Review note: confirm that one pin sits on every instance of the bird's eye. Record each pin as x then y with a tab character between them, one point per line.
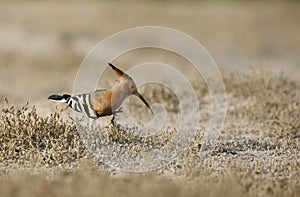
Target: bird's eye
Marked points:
132	86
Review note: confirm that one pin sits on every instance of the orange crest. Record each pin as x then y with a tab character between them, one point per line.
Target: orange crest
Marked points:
117	71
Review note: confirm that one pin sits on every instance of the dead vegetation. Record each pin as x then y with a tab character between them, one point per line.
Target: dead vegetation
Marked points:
257	153
28	139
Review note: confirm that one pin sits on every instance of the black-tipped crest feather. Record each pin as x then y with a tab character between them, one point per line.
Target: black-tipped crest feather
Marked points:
117	71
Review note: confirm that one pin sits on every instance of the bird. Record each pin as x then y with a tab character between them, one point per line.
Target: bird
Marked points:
103	102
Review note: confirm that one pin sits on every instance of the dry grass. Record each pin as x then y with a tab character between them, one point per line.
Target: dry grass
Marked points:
257	153
29	140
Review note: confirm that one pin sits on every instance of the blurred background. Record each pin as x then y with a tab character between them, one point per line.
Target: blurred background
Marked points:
42	43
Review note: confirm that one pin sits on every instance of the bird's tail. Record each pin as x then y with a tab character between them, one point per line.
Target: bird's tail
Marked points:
64	98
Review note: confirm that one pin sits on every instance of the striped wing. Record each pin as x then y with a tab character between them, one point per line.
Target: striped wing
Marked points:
84	103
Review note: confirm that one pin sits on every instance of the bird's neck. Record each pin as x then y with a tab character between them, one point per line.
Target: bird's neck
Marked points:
117	97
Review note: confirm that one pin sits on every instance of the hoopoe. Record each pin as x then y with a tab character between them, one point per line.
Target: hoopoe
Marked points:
103	102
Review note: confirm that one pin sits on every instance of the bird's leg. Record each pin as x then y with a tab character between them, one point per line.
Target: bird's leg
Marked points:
113	121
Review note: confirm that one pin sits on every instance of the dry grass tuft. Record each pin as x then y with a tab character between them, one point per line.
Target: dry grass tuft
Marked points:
28	139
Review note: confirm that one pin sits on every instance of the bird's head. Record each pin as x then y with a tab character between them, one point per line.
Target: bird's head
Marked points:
126	86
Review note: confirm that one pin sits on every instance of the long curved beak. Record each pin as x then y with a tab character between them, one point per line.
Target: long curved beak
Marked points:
144	100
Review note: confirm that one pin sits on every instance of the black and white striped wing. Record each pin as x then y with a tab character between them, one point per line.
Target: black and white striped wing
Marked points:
83	103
